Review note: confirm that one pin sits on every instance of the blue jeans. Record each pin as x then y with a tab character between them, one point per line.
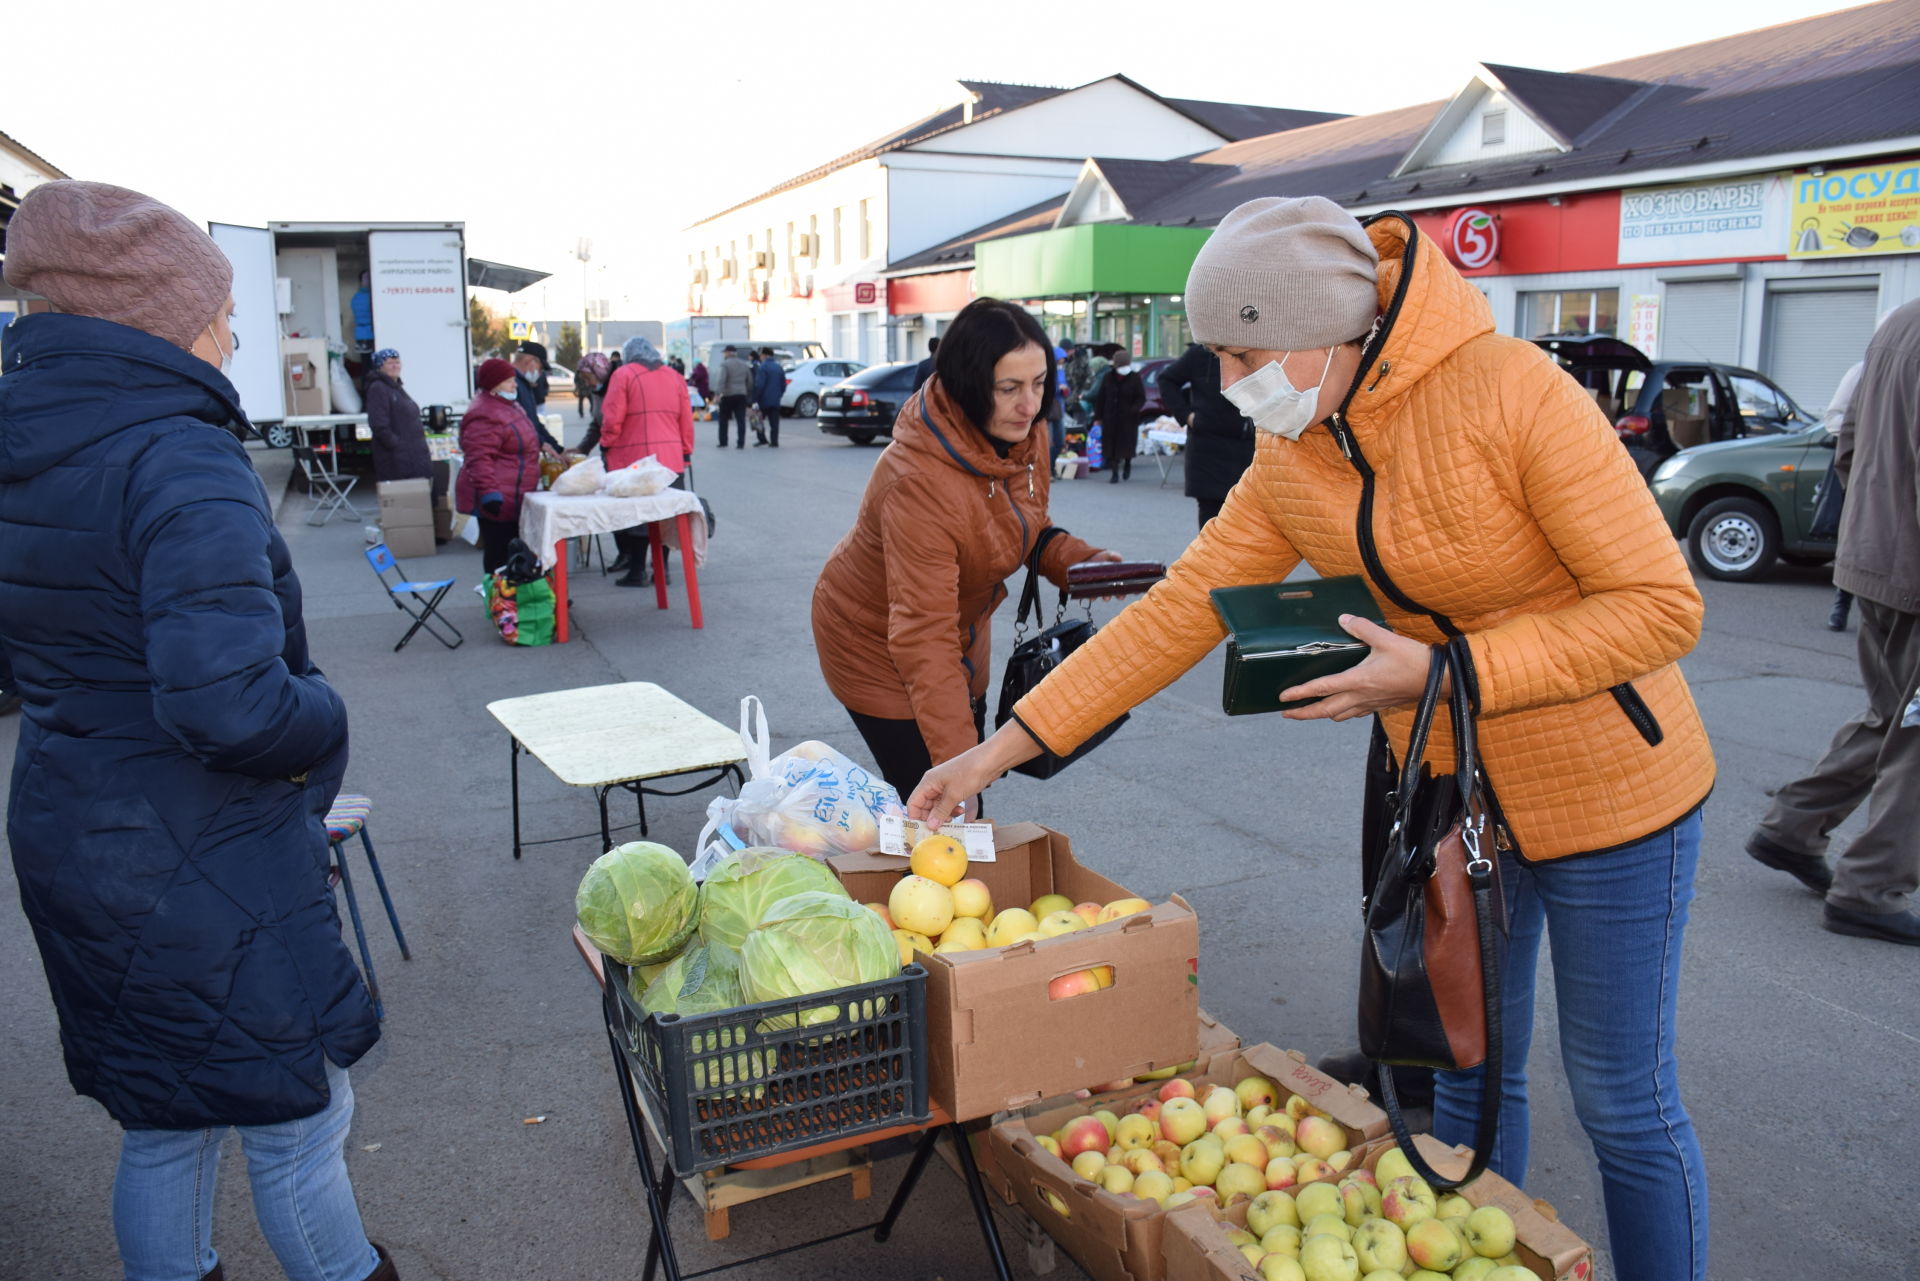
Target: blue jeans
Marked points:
1614	922
163	1197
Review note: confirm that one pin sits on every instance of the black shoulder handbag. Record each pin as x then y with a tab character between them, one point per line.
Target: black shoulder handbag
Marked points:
1435	918
1031	660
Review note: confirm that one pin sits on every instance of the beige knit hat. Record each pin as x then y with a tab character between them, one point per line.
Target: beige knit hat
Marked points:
1284	275
93	249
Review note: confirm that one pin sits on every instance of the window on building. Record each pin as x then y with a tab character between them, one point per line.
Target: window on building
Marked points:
790	249
866	230
839	216
1573	313
1493	128
769	246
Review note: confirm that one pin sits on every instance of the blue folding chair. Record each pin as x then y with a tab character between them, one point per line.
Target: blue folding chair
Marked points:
426	598
347	819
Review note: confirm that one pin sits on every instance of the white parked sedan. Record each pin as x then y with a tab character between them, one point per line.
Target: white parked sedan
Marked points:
807	378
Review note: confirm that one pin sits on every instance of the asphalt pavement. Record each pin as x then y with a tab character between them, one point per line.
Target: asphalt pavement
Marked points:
1797	1047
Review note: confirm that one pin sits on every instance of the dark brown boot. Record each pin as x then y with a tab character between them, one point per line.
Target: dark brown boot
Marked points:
218	1274
385	1272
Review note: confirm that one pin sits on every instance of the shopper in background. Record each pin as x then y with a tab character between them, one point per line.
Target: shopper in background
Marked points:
924	370
500	461
1219	437
647	413
1076	376
698	381
1122	395
732	388
178	750
399	436
1874	760
530	388
901	613
361	305
769	385
1364	357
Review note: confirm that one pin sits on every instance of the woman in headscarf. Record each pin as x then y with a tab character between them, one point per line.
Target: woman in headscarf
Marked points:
178	751
500	461
399	437
647	412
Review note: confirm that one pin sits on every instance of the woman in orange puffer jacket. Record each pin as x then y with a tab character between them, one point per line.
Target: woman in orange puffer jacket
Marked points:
1474	486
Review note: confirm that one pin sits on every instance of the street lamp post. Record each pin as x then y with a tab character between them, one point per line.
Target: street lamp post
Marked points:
583	250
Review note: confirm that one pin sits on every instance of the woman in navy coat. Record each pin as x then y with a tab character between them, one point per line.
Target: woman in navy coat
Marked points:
178	749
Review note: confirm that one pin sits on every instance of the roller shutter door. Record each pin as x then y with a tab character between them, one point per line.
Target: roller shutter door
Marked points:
1702	321
1813	337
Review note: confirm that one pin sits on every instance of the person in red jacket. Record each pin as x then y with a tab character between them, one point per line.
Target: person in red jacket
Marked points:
500	461
647	411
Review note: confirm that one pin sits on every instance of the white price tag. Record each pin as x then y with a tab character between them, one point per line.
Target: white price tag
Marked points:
899	834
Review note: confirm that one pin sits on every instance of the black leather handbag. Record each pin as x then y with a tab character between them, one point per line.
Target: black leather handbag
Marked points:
1031	660
1435	919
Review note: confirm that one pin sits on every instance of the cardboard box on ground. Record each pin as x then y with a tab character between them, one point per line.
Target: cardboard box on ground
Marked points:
995	1040
406	516
1216	1038
1196	1247
1119	1238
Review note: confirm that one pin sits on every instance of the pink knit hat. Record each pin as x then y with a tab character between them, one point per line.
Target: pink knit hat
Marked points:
92	249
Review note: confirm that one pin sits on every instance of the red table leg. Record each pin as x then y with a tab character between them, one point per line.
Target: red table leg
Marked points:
558	579
659	554
690	570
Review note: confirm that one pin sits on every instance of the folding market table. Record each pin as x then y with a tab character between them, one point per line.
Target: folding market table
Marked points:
660	1183
616	736
1176	439
548	520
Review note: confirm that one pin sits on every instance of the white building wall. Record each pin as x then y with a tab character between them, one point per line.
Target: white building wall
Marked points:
21	173
935	197
1106	118
784	315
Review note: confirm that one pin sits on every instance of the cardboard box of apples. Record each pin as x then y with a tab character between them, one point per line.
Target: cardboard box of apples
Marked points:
1018	1014
1380	1219
1254	1118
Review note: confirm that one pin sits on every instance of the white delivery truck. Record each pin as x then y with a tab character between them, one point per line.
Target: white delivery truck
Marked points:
293	288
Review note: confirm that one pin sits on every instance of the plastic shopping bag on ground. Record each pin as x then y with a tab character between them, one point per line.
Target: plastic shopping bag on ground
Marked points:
637	480
811	799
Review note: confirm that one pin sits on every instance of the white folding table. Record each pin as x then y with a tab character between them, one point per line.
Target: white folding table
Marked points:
617	736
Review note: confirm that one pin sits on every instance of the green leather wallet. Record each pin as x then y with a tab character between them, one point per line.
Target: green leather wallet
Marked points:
1285	634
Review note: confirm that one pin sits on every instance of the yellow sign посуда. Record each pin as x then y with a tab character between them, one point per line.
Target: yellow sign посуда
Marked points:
1847	213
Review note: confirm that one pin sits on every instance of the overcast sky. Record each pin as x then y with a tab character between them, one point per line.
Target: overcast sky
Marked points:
535	128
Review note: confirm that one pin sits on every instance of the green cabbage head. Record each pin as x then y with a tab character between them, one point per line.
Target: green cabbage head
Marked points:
815	942
701	980
744	884
638	903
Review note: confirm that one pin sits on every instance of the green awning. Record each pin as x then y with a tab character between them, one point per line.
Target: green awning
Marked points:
1102	258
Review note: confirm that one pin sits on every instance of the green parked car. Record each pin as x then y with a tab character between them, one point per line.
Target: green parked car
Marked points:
1741	505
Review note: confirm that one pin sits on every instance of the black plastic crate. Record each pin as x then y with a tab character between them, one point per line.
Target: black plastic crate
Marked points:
736	1085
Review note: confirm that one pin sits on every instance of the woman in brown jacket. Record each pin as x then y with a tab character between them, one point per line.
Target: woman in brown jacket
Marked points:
900	614
1476	488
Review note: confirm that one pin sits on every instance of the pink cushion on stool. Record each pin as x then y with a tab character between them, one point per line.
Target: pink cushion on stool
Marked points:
347	817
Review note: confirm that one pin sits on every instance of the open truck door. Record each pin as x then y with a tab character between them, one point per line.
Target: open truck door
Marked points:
419	285
256	373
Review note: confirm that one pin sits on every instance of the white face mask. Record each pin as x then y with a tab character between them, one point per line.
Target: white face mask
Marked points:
507	395
1269	398
226	355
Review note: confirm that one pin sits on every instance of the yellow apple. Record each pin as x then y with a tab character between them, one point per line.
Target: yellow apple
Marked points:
1140	1160
1220	1103
1406	1201
1283	1238
1089	1164
921	905
1490	1231
1329	1258
1316	1199
1331	1224
1153	1185
1317	1136
1380	1245
1237	1180
1201	1162
910	943
1047	904
1121	908
1247	1150
1281	1267
880	910
1117	1179
939	858
972	899
1054	924
1256	1092
1281	1174
1088	912
1135	1131
1009	925
967	932
1270	1210
1182	1121
1432	1244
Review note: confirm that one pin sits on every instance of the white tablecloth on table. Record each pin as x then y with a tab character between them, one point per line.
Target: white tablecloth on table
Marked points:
1165	437
546	519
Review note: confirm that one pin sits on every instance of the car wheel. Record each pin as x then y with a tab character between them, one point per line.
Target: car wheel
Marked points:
278	436
1734	539
861	437
807	406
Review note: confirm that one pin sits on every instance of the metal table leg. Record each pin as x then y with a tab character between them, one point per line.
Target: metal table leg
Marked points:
514	747
659	1190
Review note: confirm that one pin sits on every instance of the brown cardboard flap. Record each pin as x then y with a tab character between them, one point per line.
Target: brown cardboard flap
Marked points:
1194	1245
1546	1245
1101	1230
